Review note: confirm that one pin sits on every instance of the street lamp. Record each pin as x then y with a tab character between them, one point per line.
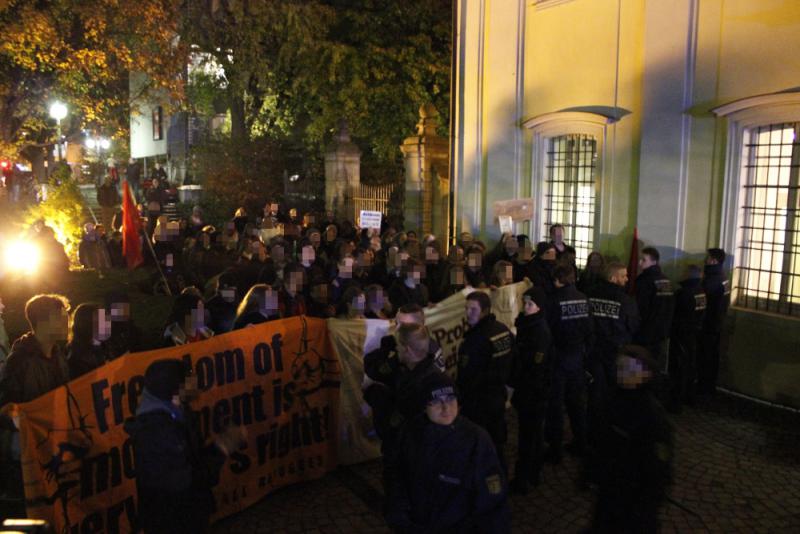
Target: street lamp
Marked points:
58	110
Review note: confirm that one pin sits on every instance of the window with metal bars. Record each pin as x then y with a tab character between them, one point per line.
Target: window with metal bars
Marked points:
768	277
570	187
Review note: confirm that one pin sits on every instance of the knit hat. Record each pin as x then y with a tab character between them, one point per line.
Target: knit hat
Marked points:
438	387
537	295
164	378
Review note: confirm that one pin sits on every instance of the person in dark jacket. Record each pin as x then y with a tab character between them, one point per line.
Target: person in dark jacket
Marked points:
36	363
654	298
687	320
258	306
484	363
175	470
125	335
409	289
87	349
571	326
718	294
109	201
530	377
633	466
222	304
593	275
615	319
541	267
447	476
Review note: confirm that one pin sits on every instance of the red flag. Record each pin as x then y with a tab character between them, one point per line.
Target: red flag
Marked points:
633	262
131	225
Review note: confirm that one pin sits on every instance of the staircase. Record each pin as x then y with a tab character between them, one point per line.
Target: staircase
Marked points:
91	209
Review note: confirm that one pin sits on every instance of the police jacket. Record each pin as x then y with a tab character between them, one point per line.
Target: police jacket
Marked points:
484	364
615	317
532	365
690	306
654	298
571	326
174	470
718	296
397	394
447	479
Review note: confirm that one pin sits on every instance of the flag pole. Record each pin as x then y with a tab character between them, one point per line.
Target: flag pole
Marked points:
158	265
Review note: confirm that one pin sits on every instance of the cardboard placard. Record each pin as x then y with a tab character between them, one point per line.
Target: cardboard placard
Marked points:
506	224
519	209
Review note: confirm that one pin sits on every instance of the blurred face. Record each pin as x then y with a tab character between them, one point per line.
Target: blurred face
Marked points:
376	300
415	275
457	277
295	282
319	293
293	213
595	261
646	261
346	268
270	302
315	238
525	252
474	312
330	233
358	304
228	294
530	307
474	260
196	319
443	411
631	373
120	312
55	327
188	391
101	325
507	275
375	243
307	255
278	254
365	259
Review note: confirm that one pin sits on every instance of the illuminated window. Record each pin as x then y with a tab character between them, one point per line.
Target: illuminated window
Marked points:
768	274
569	192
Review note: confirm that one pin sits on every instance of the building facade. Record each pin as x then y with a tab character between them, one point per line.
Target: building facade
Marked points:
678	118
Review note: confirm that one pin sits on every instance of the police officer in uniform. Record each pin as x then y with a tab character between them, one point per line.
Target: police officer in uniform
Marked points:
446	474
571	327
615	318
690	308
654	298
393	377
484	362
530	378
718	296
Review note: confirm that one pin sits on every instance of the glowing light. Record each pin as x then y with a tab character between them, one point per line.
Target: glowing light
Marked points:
58	110
22	256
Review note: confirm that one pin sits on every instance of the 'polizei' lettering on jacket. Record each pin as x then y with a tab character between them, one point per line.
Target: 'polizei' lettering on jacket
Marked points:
574	309
605	308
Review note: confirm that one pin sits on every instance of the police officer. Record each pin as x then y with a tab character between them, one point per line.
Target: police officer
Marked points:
655	301
484	363
634	463
571	326
615	318
393	376
718	295
690	308
446	474
530	378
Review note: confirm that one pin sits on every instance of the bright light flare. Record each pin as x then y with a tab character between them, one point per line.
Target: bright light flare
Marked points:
22	256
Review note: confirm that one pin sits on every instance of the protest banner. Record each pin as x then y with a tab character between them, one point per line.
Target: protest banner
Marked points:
279	380
519	209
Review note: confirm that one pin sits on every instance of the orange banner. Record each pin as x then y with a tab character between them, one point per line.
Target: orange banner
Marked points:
280	380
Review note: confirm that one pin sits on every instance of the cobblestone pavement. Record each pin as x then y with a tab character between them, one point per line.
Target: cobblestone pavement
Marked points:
737	469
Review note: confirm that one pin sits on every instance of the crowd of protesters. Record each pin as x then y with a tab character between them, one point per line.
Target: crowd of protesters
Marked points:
584	344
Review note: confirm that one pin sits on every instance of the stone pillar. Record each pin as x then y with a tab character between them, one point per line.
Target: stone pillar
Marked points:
342	174
427	184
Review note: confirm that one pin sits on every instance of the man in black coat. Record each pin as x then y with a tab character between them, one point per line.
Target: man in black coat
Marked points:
654	298
484	363
175	470
718	295
615	319
690	308
634	462
571	326
530	377
447	476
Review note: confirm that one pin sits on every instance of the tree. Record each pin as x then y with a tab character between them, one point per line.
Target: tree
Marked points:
81	51
291	70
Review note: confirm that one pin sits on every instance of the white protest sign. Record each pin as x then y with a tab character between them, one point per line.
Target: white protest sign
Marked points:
519	209
370	219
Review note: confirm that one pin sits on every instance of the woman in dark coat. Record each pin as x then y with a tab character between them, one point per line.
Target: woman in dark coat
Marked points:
87	349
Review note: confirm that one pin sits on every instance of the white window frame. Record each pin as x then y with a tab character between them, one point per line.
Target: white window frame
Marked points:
549	125
743	116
